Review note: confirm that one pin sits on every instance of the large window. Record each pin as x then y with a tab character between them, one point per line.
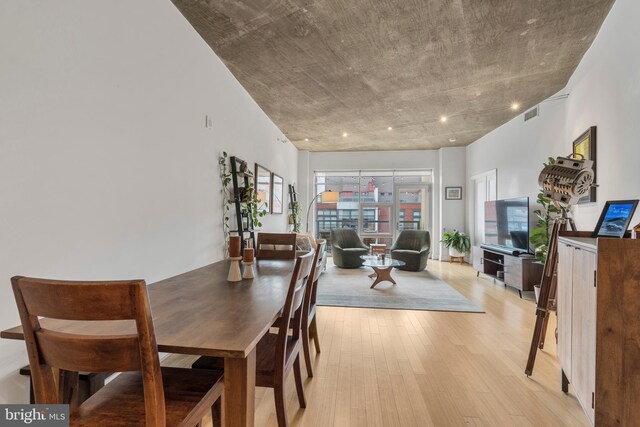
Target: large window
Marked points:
327	218
377	204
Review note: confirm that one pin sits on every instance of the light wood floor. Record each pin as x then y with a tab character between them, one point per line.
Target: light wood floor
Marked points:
425	368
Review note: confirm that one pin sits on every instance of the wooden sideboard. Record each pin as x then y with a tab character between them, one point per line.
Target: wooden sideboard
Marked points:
598	308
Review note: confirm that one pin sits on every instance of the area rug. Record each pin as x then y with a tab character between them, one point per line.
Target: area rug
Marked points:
414	291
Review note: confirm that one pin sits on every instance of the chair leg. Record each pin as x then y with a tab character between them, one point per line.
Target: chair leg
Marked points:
306	350
297	373
216	413
281	410
313	328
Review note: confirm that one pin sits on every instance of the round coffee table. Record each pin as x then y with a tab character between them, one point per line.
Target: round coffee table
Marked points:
381	269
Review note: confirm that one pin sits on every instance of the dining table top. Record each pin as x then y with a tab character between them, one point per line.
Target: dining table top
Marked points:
201	313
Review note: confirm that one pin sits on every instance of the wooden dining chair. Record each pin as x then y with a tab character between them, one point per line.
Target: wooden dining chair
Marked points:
276	246
309	326
143	394
278	354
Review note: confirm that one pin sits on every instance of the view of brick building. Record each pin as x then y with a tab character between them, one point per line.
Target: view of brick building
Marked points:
377	207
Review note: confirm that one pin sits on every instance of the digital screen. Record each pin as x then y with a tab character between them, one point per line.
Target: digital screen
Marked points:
506	223
616	219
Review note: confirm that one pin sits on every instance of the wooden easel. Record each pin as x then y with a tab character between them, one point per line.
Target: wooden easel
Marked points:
548	287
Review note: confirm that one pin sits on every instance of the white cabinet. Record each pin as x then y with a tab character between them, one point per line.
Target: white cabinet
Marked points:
598	308
563	303
576	299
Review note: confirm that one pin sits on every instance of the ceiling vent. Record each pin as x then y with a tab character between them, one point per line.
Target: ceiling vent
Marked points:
534	112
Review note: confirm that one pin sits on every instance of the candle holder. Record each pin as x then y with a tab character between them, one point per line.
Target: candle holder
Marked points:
248	270
234	269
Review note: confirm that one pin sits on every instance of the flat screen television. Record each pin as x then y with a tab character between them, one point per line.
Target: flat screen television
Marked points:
506	223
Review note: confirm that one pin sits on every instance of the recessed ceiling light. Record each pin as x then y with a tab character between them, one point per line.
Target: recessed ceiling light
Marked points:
344	134
389	128
443	119
306	139
452	140
515	106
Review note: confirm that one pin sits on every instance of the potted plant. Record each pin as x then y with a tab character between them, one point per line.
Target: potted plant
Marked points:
247	197
295	216
249	203
227	198
458	243
540	236
547	215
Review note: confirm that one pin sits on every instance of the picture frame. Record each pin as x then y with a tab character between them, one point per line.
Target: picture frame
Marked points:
277	194
615	218
585	146
453	193
263	188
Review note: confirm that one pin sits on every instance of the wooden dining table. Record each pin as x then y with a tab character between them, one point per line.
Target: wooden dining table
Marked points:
201	313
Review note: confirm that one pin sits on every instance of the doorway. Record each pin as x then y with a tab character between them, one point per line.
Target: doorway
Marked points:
412	208
485	189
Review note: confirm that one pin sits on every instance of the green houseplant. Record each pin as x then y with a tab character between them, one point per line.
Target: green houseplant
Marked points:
295	217
248	198
458	243
249	203
227	198
547	215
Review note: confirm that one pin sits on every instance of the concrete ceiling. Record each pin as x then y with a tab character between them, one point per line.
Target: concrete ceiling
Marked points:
320	68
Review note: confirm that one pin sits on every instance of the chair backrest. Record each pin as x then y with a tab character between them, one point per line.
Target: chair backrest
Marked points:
50	350
276	246
414	240
312	281
346	238
292	310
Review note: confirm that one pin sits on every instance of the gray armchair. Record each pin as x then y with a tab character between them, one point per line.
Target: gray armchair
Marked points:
412	247
347	248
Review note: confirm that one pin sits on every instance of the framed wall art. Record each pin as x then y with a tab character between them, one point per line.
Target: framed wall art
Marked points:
453	193
585	146
263	188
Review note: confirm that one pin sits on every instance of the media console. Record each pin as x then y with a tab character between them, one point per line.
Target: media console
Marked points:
502	249
520	271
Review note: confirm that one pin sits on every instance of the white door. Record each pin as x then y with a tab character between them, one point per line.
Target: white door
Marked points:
484	190
412	208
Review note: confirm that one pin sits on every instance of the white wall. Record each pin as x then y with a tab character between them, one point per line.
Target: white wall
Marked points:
452	174
106	168
517	150
605	92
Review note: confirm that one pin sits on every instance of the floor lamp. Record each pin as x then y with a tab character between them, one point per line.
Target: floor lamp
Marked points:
328	196
563	182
